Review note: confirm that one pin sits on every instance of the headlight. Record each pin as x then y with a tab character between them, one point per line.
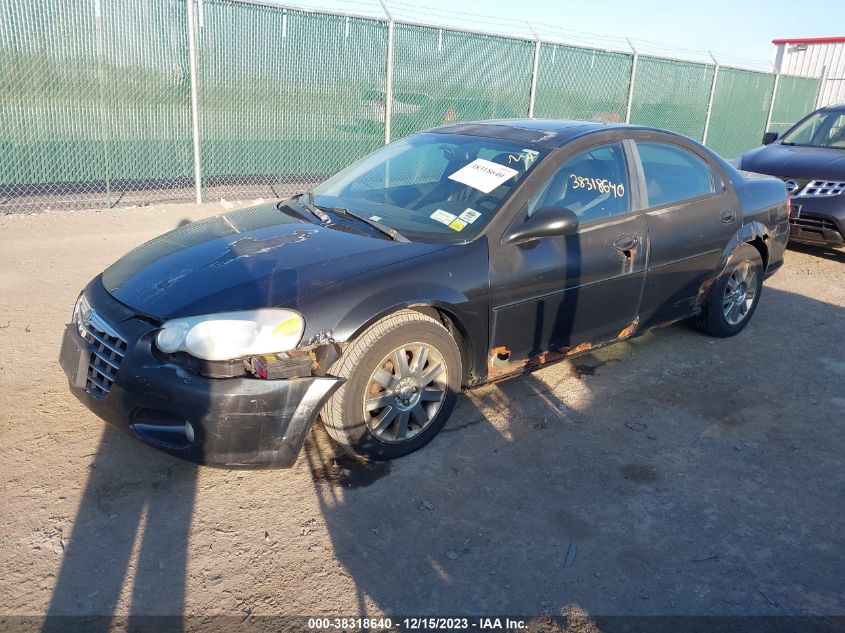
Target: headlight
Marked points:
81	307
230	335
81	310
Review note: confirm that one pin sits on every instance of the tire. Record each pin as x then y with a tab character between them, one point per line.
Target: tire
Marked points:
403	412
743	274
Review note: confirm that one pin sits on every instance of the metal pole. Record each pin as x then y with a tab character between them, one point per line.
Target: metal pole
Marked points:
535	66
822	79
105	126
195	117
388	82
772	103
710	101
631	86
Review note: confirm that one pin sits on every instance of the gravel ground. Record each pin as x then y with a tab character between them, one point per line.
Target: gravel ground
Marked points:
671	474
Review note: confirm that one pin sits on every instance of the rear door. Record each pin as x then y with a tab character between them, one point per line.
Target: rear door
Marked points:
691	216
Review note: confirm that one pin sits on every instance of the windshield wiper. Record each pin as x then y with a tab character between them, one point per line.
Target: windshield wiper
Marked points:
391	233
296	210
308	205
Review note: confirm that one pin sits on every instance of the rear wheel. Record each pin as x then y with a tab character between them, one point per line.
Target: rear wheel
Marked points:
735	294
403	375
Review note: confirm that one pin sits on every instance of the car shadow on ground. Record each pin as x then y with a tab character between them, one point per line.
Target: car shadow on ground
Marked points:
627	481
631	480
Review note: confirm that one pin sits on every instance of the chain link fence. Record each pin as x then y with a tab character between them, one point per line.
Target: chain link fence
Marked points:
741	103
672	95
794	98
94	104
582	83
442	76
284	97
97	107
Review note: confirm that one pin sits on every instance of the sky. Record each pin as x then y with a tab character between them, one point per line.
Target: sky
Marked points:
738	32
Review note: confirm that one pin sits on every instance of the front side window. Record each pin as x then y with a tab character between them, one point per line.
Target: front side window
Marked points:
822	129
673	174
592	184
432	187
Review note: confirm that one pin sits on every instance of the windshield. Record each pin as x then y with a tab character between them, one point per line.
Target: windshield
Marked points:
432	187
822	129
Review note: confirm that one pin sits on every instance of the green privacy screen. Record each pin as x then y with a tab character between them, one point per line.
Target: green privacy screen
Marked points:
95	96
443	76
740	108
581	83
284	96
672	94
794	99
94	105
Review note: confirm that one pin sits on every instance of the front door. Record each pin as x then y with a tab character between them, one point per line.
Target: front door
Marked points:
558	293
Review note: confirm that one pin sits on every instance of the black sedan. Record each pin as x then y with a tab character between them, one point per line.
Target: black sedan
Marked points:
810	159
463	255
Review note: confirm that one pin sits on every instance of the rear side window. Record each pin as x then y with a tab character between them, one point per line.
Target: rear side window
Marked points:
673	174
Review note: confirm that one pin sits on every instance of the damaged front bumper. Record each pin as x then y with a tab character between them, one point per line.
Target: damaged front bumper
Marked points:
232	422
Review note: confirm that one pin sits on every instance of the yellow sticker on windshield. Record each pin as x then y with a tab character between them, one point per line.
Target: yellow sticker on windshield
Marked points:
457	224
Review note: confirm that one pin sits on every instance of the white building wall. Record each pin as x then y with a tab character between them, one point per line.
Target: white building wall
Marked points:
810	59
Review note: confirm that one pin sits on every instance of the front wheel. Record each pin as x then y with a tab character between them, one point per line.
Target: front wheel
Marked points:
735	295
403	375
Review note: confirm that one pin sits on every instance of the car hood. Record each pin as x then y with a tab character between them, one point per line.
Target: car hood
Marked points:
796	162
253	258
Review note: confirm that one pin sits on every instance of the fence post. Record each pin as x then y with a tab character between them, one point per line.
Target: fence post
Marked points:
822	79
710	101
772	104
105	124
532	96
195	119
388	82
631	85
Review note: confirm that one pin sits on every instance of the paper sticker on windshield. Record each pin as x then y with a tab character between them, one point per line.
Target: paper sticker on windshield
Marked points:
375	218
442	216
483	175
457	224
469	215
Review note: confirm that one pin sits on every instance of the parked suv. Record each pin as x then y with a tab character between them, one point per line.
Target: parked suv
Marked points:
810	159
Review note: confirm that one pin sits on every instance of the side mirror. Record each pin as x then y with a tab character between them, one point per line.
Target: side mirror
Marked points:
769	138
546	222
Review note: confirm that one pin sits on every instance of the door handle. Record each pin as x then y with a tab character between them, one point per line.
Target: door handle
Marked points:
727	216
626	244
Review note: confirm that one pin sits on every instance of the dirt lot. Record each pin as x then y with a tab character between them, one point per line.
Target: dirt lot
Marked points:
673	474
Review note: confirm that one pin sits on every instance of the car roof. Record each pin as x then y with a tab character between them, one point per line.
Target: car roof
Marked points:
545	132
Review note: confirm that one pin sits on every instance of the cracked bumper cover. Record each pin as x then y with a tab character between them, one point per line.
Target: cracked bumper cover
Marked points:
232	422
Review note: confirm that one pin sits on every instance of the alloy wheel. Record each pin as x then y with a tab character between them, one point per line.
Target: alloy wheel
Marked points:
740	292
405	392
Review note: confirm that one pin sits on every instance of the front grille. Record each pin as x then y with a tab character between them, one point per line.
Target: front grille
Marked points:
821	189
107	351
814	223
